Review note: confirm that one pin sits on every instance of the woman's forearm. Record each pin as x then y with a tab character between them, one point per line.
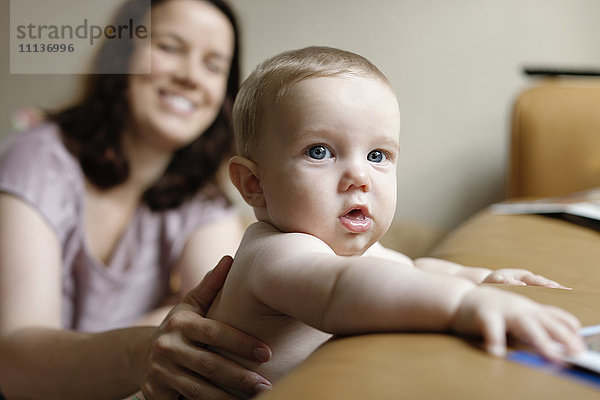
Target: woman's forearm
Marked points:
37	363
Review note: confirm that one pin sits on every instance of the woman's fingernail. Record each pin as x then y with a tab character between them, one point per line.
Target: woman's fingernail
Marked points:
262	387
262	354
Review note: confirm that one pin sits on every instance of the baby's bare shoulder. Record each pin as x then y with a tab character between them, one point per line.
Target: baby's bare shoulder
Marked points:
264	240
377	250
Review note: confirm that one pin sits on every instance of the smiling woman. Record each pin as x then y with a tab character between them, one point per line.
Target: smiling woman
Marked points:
190	52
115	195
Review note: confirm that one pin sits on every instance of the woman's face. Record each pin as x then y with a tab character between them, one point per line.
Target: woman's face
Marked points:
190	50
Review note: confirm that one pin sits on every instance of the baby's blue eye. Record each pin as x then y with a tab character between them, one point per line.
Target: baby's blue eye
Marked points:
319	152
376	156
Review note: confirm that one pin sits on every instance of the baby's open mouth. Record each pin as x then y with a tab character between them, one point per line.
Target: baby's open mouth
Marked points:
356	214
356	220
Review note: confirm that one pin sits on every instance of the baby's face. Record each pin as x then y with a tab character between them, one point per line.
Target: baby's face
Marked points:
327	161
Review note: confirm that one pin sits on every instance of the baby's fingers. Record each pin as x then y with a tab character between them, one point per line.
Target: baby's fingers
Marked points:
503	278
538	280
534	333
564	328
494	335
566	317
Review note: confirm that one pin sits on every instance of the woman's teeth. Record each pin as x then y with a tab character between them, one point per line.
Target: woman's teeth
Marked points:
179	103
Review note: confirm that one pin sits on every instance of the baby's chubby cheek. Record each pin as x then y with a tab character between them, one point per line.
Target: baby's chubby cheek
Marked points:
289	212
388	207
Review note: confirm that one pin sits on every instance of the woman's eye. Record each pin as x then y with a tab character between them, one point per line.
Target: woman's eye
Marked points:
168	48
212	67
319	152
217	65
376	156
216	68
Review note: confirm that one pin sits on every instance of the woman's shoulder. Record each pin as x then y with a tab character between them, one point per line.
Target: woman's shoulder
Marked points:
36	167
40	147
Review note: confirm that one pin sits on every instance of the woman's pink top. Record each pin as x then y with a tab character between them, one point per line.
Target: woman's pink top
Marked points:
36	167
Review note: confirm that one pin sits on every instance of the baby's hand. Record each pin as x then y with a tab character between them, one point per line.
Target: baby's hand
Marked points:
520	277
493	313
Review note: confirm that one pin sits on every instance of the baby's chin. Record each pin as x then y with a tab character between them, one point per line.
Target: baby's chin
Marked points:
352	245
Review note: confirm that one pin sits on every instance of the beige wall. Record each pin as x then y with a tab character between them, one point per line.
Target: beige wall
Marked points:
455	66
48	91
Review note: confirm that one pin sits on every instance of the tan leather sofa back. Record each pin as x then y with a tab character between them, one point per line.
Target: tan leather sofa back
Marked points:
555	138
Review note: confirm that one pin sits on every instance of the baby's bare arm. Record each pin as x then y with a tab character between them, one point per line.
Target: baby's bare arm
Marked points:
434	265
438	266
300	276
508	276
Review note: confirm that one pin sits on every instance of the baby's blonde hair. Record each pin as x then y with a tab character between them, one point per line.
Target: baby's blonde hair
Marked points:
273	77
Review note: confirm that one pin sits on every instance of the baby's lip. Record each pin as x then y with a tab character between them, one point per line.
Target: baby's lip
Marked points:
356	219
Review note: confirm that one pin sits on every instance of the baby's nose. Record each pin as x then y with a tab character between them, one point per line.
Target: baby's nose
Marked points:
356	176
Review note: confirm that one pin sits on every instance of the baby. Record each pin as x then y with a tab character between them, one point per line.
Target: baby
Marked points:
317	132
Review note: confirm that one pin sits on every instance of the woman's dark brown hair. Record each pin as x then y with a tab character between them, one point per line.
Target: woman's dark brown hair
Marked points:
92	128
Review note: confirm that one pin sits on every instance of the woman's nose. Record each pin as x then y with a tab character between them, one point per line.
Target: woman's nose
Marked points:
189	72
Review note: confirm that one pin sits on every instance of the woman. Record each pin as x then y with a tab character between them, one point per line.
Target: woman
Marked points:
100	206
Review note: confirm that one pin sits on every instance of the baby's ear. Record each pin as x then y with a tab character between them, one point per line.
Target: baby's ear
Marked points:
244	175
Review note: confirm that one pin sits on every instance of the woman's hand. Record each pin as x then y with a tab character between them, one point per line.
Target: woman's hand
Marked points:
178	362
